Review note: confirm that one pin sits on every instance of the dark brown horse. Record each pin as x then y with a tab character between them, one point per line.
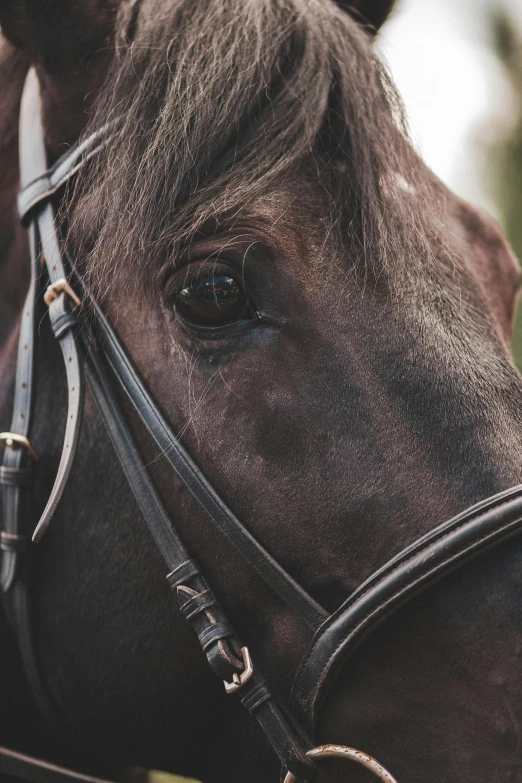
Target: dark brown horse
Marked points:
346	385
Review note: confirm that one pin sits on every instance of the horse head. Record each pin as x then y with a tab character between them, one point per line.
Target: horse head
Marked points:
326	329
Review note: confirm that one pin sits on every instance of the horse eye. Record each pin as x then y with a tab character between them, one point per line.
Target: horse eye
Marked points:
212	300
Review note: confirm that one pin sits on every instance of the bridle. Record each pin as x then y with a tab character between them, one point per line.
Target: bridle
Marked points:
93	353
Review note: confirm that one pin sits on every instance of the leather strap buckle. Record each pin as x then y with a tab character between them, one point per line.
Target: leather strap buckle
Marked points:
238	680
60	286
12	440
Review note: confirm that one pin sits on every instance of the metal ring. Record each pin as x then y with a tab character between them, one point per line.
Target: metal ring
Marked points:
343	752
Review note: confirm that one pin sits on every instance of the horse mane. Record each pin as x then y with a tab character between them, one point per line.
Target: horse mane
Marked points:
220	101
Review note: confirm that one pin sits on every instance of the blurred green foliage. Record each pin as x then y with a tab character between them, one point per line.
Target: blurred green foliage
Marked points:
164	777
506	154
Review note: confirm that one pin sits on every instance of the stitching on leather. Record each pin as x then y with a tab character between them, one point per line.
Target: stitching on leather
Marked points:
437	536
409	585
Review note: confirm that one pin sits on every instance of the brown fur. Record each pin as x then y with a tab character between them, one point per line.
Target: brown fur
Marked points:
374	397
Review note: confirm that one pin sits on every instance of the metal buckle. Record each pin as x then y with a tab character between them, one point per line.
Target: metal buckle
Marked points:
12	440
238	680
55	289
343	752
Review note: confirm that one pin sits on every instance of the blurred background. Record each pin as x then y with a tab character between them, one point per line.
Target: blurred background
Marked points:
458	67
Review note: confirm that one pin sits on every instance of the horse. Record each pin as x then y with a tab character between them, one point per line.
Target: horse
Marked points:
325	327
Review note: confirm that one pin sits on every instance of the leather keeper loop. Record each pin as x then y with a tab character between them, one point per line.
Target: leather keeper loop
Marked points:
62	324
210	636
183	573
197	604
15	477
257	697
31	195
11	542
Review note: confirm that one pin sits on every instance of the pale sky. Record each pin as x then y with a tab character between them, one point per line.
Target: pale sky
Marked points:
454	89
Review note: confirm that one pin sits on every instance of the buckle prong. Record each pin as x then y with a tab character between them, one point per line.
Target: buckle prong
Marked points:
12	440
238	680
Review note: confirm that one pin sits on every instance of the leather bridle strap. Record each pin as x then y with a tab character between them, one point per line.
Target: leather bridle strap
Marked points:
203	492
197	602
33	197
107	365
43	236
41	189
40	208
16	470
450	545
19	455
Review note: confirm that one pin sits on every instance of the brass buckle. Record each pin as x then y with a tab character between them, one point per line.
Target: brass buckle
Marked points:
238	680
343	752
55	289
12	440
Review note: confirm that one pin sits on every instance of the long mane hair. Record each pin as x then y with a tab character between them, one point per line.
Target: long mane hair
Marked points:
219	101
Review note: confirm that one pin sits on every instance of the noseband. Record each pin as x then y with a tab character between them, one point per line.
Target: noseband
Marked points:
94	353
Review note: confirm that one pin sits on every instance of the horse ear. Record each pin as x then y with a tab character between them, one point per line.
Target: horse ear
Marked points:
69	43
58	35
370	13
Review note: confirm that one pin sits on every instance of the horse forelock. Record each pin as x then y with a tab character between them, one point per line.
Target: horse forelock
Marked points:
220	102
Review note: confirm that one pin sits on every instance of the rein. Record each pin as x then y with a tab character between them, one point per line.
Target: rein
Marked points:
96	355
